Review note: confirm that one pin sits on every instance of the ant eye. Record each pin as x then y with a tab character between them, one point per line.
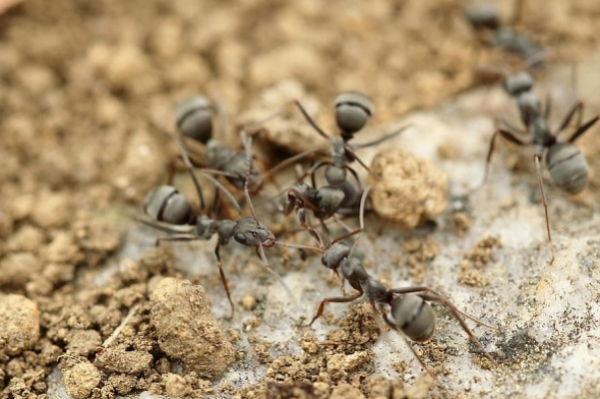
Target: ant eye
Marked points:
241	238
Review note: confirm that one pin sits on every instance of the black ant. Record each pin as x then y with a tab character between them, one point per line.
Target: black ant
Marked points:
352	111
169	211
484	18
406	310
194	119
566	164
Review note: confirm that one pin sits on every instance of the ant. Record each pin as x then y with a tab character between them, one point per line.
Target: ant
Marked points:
484	19
194	119
566	164
169	211
353	109
406	310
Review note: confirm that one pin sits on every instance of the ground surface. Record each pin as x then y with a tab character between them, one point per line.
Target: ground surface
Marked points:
87	89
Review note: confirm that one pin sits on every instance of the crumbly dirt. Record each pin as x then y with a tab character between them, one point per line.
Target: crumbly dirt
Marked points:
87	90
476	259
407	189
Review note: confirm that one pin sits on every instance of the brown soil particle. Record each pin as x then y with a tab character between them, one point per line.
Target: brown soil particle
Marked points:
83	342
20	327
475	260
17	268
126	362
176	386
186	328
407	189
81	380
343	391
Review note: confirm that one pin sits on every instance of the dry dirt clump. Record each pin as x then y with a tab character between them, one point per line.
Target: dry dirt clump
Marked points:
407	189
476	259
81	380
340	366
123	336
20	327
186	328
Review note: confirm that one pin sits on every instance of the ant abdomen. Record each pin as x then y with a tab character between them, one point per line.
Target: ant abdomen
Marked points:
193	117
414	317
329	199
483	15
352	111
567	167
166	204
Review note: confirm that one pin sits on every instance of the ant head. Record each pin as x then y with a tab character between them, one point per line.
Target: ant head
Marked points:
414	317
166	204
518	83
252	234
482	15
334	254
193	117
352	111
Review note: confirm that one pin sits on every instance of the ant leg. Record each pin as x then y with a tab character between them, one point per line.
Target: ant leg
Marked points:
508	136
261	254
406	341
355	156
223	278
313	169
303	218
548	108
335	299
341	223
311	121
270	173
536	158
361	218
190	168
436	297
176	238
583	129
248	146
166	227
575	109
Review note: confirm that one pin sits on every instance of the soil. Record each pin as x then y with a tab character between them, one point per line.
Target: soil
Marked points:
87	90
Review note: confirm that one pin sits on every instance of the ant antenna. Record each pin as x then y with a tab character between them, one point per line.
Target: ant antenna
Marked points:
247	144
311	121
382	139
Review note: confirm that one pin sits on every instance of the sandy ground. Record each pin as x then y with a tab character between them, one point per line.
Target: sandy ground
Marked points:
88	90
